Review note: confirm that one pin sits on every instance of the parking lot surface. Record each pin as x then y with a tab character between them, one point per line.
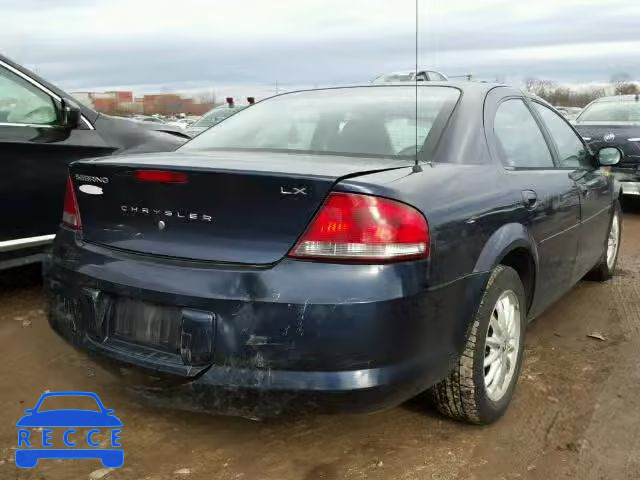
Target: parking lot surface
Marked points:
576	412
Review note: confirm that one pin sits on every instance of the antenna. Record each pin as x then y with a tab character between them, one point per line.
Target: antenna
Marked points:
416	166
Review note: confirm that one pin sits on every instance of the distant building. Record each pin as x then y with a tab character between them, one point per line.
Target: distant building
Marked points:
134	107
172	104
84	98
105	102
122	96
124	102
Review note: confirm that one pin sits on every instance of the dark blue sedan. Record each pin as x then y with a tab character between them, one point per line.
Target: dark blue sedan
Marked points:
341	248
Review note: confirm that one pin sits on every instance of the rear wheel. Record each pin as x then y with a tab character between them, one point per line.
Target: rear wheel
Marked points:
605	269
480	388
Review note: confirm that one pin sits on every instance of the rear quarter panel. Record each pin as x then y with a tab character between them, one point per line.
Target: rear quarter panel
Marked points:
474	218
465	205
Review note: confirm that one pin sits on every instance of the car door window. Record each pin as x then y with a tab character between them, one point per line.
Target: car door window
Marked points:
571	151
22	103
520	140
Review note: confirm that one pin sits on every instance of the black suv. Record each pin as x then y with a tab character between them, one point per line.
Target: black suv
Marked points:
43	129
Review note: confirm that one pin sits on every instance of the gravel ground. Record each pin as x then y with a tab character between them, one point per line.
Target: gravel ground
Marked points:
576	412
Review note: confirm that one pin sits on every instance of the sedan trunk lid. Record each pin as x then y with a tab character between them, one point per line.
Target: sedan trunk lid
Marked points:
235	207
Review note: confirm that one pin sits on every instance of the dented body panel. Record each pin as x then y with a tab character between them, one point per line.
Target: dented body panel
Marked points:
298	328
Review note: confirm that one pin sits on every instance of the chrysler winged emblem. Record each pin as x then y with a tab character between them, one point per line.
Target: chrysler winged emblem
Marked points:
609	137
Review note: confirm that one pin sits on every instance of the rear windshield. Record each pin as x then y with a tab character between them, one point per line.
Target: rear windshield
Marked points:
622	111
364	121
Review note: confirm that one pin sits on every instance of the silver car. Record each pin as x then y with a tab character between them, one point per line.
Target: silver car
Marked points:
411	76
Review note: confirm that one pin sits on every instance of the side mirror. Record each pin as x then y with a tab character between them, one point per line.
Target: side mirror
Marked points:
609	156
70	116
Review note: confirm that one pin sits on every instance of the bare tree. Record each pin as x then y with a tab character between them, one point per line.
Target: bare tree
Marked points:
207	96
539	87
531	84
622	84
562	96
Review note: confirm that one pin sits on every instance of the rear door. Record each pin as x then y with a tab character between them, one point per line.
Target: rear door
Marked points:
576	161
550	199
36	150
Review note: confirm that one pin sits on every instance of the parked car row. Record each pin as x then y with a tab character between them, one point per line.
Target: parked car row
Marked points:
570	113
215	116
410	76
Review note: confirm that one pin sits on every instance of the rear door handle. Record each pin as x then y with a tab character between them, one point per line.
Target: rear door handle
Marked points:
530	199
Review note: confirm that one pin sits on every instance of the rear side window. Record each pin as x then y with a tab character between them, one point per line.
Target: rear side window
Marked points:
571	151
520	141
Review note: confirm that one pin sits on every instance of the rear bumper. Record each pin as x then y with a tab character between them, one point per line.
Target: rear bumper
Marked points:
303	334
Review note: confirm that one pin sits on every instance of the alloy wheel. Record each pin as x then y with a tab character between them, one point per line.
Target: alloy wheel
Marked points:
502	345
613	241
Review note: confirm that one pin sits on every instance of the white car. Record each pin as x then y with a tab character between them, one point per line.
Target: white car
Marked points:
411	76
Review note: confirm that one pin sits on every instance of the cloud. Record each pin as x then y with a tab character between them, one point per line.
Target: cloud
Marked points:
194	44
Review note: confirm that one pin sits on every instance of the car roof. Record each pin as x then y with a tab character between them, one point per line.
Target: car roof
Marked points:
468	88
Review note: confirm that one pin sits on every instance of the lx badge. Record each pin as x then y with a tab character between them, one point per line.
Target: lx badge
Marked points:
293	191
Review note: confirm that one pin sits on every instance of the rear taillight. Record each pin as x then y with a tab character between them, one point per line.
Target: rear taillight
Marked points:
352	226
70	213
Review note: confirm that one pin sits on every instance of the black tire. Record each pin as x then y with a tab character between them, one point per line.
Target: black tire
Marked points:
602	271
463	395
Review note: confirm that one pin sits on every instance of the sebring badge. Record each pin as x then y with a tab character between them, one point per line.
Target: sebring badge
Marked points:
609	137
91	179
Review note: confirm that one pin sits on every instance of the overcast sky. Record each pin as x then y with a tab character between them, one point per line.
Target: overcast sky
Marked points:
158	45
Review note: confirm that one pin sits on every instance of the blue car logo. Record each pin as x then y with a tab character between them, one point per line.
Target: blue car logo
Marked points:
31	448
